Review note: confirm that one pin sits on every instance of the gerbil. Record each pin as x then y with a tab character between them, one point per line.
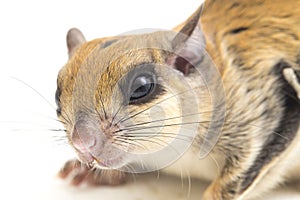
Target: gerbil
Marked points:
154	101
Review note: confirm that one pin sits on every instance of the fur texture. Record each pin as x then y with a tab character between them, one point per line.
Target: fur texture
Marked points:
251	43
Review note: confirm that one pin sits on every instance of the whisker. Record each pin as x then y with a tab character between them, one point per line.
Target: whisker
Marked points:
153	140
228	122
61	140
31	130
40	95
189	184
20	122
58	120
115	115
121	143
66	117
59	137
97	172
142	163
159	126
157	138
148	140
133	141
216	162
55	119
129	168
127	118
90	110
200	123
33	123
58	130
158	175
143	123
37	92
161	136
153	134
99	114
181	176
129	141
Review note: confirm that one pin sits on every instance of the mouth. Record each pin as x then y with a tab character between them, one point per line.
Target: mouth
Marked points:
115	163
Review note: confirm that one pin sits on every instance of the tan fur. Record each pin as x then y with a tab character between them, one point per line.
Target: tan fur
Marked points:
255	105
273	35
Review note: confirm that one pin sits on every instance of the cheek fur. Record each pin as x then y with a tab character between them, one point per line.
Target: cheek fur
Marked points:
158	125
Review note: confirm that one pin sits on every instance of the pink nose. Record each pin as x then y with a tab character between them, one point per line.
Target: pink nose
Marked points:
84	139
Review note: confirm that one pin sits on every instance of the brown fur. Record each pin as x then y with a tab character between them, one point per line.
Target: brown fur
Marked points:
268	35
251	43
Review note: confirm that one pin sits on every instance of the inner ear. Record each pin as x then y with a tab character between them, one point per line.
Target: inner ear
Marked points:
188	45
75	39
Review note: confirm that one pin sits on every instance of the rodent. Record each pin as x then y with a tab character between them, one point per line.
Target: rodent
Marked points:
133	94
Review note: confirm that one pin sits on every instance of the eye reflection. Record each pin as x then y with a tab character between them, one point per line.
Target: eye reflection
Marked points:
142	86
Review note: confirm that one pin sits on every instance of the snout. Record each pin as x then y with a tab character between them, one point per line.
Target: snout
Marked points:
93	146
86	140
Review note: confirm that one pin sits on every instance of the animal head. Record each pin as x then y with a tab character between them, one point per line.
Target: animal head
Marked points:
127	97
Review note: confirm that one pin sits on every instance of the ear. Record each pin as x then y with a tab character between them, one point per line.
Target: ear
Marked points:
74	40
188	45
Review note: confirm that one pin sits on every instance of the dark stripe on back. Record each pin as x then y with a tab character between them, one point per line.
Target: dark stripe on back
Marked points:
288	127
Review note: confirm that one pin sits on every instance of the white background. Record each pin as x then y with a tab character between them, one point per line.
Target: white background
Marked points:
32	50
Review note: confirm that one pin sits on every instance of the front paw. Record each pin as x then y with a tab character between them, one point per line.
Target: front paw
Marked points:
81	173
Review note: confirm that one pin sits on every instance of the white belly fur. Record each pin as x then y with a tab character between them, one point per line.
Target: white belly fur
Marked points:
209	168
191	165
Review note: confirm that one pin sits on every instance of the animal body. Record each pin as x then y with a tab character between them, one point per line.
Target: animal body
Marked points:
124	100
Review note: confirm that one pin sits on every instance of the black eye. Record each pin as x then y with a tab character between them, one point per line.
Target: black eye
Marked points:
57	100
141	87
